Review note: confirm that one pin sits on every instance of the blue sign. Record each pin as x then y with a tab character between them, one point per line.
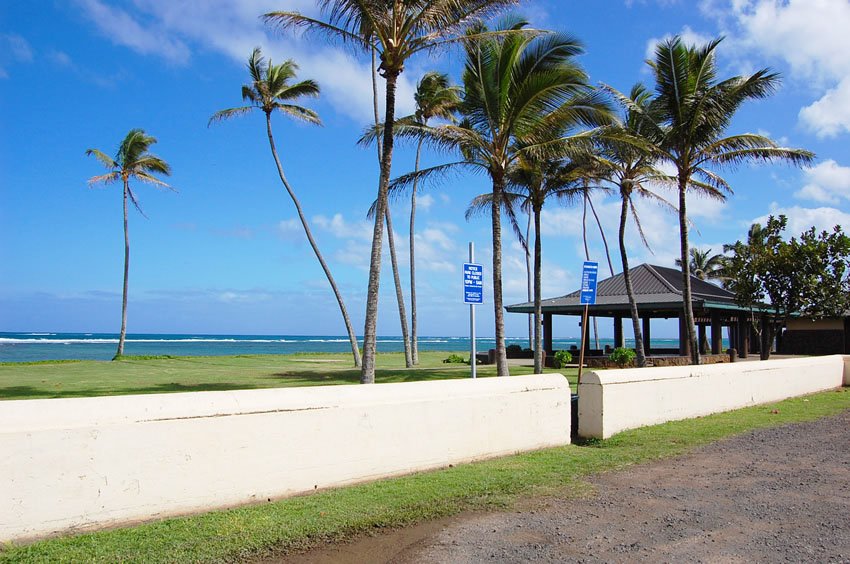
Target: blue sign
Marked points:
589	275
473	283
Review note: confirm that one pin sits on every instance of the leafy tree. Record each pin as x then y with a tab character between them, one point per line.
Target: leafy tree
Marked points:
693	109
272	90
809	275
521	92
396	31
132	162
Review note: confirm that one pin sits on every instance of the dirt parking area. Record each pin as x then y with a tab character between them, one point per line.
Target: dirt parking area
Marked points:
773	495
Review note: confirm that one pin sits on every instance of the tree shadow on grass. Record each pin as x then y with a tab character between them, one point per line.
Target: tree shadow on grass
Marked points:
29	392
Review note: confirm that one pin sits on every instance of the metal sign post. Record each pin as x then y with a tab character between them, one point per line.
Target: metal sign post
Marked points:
589	275
473	294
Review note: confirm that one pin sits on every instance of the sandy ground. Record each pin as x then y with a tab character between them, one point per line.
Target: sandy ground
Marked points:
773	495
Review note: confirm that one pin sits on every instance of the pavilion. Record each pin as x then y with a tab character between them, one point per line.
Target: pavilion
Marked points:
658	293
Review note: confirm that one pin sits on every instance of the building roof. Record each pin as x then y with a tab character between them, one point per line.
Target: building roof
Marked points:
655	288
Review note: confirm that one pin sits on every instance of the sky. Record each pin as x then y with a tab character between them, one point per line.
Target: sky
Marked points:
225	254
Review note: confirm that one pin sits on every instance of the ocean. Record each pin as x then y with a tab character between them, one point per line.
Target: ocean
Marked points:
29	347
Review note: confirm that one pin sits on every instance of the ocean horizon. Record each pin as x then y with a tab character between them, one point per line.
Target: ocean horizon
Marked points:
39	346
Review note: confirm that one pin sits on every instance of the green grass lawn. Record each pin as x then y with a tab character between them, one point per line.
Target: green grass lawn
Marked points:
195	374
280	526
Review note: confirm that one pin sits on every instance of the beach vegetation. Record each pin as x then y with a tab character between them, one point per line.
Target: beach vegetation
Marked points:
692	110
394	33
808	275
273	90
135	162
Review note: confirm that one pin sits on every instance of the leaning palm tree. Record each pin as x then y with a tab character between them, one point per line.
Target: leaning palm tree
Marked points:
133	161
704	265
396	30
521	91
693	109
271	90
626	162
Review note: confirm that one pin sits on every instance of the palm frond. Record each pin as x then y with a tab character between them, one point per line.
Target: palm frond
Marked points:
222	115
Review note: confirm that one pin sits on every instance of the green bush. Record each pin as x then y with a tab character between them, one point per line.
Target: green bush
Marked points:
513	351
562	359
622	357
455	359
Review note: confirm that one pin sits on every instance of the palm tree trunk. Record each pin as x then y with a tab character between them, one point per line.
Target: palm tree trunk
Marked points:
587	256
627	278
602	234
538	309
414	341
402	311
355	351
123	334
496	211
530	283
367	371
686	275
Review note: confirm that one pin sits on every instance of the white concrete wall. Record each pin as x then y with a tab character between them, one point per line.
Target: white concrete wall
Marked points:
615	400
70	464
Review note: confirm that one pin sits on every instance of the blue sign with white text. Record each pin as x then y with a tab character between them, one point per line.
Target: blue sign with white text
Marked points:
473	283
589	276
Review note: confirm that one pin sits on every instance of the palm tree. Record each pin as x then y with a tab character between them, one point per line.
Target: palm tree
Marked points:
133	161
435	98
396	30
531	183
521	91
704	265
272	90
628	164
694	108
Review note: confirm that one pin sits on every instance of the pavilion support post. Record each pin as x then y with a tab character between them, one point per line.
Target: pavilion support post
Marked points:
618	332
764	348
647	336
716	333
684	348
755	341
702	338
547	333
743	336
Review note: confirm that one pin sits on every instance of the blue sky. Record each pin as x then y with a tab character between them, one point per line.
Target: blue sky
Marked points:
225	255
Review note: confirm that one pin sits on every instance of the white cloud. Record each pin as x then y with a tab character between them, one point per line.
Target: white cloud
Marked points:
124	29
171	30
342	229
808	35
829	116
827	182
801	219
425	202
13	49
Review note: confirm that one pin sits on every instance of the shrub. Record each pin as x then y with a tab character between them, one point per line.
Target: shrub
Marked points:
622	357
513	351
455	359
562	359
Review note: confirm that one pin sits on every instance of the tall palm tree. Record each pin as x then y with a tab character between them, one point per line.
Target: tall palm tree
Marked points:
694	109
133	161
521	91
435	98
271	90
397	30
704	265
531	183
630	166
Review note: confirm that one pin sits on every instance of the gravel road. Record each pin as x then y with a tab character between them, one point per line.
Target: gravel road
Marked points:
773	495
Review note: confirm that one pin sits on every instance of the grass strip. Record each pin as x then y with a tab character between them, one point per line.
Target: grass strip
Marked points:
284	525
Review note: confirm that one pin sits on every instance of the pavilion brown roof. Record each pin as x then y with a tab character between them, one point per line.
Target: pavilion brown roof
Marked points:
655	287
